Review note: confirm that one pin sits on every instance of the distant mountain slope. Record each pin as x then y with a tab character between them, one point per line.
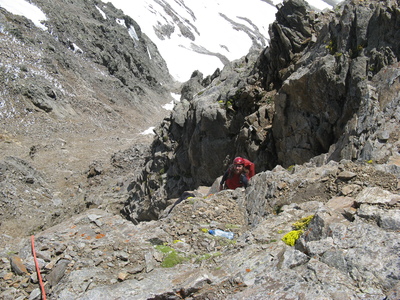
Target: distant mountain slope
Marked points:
204	34
74	89
191	35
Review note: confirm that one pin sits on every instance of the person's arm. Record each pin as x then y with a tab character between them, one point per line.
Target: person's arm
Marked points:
224	178
244	180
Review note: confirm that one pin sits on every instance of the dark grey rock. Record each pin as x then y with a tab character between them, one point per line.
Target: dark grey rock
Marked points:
58	272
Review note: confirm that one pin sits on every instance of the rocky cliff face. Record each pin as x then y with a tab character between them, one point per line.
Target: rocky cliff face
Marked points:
325	86
317	111
334	96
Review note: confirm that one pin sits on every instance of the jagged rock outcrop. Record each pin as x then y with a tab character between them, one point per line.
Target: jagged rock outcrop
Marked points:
190	148
337	95
325	86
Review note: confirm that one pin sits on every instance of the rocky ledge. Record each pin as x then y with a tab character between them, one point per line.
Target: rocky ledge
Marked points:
348	213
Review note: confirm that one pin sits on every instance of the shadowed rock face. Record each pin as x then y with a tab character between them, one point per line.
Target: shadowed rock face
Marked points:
333	86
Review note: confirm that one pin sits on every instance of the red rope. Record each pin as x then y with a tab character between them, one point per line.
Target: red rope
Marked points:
37	268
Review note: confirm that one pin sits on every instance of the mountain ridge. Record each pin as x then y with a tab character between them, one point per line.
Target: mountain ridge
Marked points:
318	114
182	30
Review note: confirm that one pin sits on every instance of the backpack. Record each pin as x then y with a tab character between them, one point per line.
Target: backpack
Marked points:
250	167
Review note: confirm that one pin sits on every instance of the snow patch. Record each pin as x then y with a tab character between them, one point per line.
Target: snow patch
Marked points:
132	32
171	105
26	9
318	4
76	49
211	31
177	97
150	130
102	13
121	22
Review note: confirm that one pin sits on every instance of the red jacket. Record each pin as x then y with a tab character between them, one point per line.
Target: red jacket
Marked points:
234	181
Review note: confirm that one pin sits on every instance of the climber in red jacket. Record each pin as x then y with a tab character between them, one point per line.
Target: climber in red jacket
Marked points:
238	174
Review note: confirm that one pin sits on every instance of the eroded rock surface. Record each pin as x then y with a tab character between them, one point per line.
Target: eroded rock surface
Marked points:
349	250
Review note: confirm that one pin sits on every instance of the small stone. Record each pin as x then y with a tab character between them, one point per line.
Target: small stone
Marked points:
30	180
122	255
340	203
98	261
50	265
349	212
136	269
34	278
60	249
349	189
45	255
384	135
4	260
158	256
35	294
122	276
58	272
282	185
346	175
25	282
8	276
18	266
